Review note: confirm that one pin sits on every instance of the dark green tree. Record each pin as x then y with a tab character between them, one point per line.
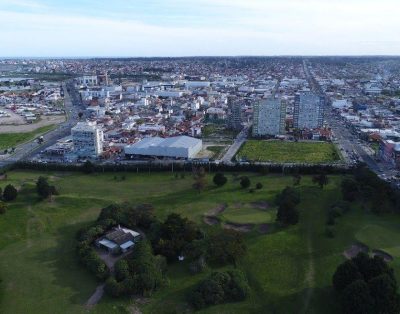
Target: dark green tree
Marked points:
345	274
356	299
350	189
10	193
287	213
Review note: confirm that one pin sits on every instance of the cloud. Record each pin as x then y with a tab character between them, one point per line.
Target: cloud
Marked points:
201	27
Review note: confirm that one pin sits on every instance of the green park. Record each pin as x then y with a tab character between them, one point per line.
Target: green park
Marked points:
288	152
289	268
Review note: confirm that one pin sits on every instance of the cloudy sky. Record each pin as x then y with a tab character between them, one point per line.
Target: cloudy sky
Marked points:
198	27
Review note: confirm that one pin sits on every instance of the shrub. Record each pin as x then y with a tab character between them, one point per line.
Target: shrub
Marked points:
259	186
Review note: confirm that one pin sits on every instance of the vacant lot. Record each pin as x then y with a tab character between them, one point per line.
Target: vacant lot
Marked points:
297	152
290	270
8	140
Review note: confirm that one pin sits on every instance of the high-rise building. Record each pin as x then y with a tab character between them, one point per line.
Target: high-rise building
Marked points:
235	118
308	110
87	138
269	117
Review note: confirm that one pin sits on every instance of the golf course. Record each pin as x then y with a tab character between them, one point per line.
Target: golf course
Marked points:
289	269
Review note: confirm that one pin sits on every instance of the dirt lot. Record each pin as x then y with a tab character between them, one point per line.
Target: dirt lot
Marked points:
22	128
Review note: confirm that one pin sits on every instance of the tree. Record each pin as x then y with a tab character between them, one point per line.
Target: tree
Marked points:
44	189
287	213
172	236
288	194
10	193
220	287
226	246
345	274
259	186
88	167
200	181
383	291
245	182
219	179
349	188
121	270
356	299
321	179
80	115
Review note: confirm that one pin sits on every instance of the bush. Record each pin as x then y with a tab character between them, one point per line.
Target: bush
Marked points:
245	182
259	186
219	179
10	193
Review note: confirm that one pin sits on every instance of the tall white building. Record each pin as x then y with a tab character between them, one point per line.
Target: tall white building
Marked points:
269	117
87	138
308	111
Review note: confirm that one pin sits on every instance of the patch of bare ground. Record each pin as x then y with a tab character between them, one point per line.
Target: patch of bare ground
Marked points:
265	228
238	227
355	249
386	256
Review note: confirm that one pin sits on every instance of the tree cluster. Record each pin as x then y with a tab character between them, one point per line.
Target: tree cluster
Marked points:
220	287
366	285
287	201
373	192
139	273
170	237
44	189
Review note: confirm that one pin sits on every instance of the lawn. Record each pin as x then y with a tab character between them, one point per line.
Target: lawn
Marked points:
9	140
279	151
289	270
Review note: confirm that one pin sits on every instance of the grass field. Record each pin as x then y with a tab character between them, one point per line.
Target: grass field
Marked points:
289	269
8	140
279	151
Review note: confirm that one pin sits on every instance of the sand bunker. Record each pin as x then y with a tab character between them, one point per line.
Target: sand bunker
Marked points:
260	205
211	220
265	228
355	249
386	256
238	227
217	210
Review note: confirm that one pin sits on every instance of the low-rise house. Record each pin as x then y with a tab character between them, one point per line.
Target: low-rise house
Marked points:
118	240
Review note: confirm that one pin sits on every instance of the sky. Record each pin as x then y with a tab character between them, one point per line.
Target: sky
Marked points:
145	28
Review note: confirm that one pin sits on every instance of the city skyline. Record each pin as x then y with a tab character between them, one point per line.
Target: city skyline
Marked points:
42	28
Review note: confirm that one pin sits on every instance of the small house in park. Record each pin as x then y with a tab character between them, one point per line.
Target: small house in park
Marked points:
118	240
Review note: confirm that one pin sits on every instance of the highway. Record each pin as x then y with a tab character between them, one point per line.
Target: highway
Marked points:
72	107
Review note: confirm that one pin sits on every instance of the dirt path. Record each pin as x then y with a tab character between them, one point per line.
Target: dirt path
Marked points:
96	296
309	279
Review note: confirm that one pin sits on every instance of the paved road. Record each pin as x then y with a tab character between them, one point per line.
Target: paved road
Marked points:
31	148
240	139
351	149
